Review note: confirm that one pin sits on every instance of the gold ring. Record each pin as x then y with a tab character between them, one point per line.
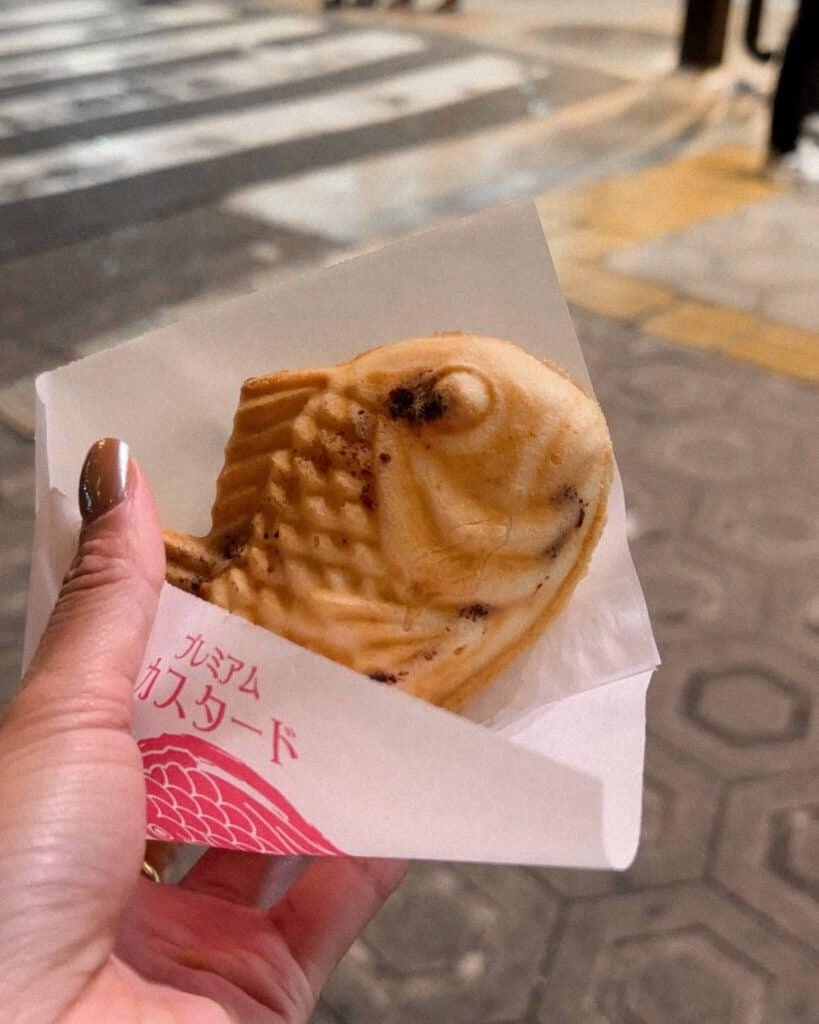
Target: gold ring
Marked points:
150	871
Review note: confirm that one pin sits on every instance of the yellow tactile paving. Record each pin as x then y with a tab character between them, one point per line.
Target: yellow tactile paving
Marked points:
701	325
773	346
583	245
664	199
560	213
585	224
780	348
608	293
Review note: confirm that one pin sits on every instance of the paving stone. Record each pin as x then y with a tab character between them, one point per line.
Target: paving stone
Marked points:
680	802
461	944
20	358
658	505
765	521
324	1014
794	608
16	453
667	384
10	656
677	955
762	258
743	706
691	586
772	398
716	448
606	340
768	853
17	494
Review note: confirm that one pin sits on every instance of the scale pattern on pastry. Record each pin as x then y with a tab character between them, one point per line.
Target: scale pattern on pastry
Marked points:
419	514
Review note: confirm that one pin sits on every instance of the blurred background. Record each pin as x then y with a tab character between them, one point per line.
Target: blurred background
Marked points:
155	157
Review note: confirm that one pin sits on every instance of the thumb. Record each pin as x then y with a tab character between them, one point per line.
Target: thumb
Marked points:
84	669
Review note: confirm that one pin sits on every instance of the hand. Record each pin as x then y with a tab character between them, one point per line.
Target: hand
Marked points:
82	936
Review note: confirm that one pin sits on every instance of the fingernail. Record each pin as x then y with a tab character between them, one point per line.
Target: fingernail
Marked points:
104	477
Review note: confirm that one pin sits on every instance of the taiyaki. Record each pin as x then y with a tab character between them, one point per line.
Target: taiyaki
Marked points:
419	513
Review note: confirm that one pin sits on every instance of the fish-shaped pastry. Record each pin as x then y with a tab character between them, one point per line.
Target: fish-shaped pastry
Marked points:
418	514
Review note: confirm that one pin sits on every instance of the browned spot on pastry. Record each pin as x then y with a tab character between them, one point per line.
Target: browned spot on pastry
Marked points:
417	403
566	494
569	495
558	544
384	677
233	544
368	490
385	457
474	612
196	584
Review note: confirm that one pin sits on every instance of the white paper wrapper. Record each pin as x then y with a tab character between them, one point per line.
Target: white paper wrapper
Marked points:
252	742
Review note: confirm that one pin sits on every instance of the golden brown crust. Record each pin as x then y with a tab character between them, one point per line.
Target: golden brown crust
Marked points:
419	514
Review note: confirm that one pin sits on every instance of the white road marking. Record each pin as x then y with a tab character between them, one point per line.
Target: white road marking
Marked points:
64	105
120	156
59	33
60	10
129	53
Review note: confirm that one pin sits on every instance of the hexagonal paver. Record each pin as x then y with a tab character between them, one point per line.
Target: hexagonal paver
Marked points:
17	494
679	805
689	587
661	383
742	705
768	522
806	448
768	852
456	944
716	447
676	955
603	342
658	505
772	398
325	1014
687	976
794	608
746	705
793	853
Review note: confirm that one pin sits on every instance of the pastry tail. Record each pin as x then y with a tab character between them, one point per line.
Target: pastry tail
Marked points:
190	561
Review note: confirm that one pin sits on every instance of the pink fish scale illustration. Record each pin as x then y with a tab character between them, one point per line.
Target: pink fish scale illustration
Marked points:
198	793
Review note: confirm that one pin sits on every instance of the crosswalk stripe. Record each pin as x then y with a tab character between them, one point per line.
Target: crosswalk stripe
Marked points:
66	105
59	10
130	53
58	33
122	156
375	196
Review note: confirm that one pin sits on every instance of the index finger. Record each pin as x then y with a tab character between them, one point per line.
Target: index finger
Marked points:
329	906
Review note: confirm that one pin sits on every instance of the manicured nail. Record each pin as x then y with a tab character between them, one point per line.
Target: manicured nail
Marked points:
104	477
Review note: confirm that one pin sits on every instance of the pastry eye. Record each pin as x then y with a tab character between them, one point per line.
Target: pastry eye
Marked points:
468	396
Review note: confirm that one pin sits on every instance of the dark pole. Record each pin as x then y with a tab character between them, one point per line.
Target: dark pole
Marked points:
703	42
792	102
752	29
